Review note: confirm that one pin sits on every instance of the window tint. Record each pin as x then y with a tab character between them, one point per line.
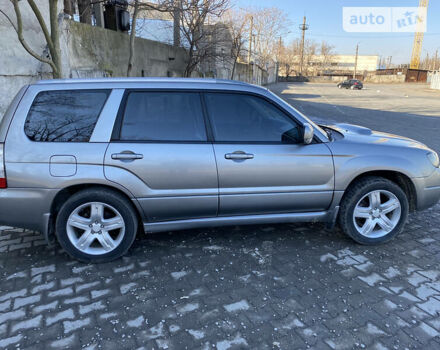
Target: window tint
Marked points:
163	116
241	118
64	116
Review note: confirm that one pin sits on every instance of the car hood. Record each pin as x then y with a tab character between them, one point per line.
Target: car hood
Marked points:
360	134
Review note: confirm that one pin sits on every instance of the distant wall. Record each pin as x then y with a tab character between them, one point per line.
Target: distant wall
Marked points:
394	78
435	81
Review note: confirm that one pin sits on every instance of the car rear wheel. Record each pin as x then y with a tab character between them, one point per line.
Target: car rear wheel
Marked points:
96	225
373	211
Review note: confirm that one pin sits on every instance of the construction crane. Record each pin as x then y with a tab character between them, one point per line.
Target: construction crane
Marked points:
418	38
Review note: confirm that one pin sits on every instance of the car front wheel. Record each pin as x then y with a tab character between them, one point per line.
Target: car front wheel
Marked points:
373	211
96	225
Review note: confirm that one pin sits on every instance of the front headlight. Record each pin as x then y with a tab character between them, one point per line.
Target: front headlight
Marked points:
433	158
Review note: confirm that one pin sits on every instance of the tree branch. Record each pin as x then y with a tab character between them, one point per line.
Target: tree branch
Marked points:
19	30
43	26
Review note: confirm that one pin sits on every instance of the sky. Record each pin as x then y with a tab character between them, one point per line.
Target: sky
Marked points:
325	20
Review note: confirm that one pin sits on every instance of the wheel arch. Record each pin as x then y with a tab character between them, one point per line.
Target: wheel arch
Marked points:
66	192
402	180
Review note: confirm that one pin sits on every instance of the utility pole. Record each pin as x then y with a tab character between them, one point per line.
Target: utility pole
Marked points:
356	61
303	28
280	44
250	47
435	60
177	8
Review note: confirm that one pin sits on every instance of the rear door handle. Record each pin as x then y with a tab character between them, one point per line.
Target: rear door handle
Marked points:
239	155
127	156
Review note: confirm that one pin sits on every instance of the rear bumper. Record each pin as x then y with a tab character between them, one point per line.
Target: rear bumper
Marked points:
27	208
428	190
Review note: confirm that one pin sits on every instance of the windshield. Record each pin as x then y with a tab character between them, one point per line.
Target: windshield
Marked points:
299	115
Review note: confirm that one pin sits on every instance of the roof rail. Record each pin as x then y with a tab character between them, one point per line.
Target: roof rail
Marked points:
142	80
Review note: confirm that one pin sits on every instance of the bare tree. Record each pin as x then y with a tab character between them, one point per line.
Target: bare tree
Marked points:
268	24
289	58
137	7
132	36
238	23
50	31
326	52
197	31
313	62
310	51
198	26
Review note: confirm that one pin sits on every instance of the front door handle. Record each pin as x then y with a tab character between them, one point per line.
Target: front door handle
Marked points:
239	155
128	155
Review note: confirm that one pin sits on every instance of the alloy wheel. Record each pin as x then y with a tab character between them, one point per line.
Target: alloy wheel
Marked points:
95	228
377	214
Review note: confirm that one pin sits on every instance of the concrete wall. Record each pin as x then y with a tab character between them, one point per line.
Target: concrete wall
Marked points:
87	52
17	67
88	49
255	74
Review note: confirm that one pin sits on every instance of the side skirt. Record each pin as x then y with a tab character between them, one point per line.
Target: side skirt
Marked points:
322	216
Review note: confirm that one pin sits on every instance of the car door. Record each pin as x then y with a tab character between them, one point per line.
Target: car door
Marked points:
159	151
263	167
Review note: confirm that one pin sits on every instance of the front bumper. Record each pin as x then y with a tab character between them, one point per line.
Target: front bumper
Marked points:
428	190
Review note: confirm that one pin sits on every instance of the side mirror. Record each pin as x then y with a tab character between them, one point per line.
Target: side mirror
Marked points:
308	134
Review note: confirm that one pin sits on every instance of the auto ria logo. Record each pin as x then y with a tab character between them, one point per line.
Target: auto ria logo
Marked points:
384	19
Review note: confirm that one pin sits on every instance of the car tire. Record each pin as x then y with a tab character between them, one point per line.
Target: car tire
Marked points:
364	206
96	225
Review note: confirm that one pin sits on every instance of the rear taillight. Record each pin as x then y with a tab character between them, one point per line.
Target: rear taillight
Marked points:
2	167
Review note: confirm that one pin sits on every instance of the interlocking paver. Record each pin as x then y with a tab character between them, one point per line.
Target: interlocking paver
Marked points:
230	296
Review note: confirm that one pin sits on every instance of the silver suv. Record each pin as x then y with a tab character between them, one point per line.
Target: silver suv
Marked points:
92	162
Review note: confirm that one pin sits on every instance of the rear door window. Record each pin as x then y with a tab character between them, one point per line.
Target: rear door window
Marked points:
163	116
64	115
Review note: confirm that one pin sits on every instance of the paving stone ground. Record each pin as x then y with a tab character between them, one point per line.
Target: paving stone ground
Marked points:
257	287
294	286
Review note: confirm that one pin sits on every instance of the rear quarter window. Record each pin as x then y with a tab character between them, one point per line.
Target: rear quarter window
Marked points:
64	115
